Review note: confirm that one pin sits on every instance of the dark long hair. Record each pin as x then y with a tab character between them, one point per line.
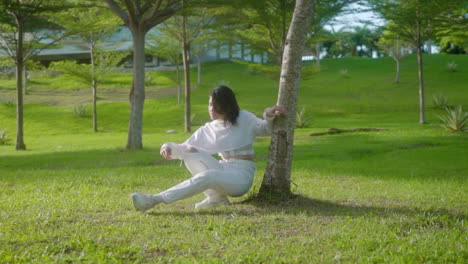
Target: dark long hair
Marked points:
225	103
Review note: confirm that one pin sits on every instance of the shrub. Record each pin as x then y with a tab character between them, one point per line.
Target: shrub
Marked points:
451	67
4	139
344	73
8	103
302	118
149	80
439	101
80	110
455	119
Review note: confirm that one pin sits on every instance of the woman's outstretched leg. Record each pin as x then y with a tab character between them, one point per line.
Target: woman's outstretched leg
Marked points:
198	163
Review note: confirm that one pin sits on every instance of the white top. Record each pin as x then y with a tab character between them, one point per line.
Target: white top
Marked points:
229	140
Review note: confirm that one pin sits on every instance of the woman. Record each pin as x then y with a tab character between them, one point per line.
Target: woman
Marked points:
231	134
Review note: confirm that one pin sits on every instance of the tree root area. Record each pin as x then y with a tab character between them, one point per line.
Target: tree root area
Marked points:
333	131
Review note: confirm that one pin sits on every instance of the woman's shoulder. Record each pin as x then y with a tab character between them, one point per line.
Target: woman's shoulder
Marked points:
246	116
245	113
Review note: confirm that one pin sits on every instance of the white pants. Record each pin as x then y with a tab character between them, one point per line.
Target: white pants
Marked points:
217	179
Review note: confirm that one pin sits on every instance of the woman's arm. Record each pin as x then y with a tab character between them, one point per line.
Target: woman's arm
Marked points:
263	127
274	111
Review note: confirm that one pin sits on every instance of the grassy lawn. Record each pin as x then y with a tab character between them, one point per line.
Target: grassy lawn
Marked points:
398	195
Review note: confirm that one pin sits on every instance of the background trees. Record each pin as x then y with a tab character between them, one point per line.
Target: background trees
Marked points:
266	23
140	17
184	29
27	28
451	33
94	26
166	47
414	21
392	45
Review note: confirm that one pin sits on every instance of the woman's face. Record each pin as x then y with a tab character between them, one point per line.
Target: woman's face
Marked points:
211	110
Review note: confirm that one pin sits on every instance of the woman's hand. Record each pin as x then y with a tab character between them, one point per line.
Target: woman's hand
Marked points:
275	111
166	152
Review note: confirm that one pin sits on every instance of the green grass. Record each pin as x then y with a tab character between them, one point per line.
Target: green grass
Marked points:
395	196
41	80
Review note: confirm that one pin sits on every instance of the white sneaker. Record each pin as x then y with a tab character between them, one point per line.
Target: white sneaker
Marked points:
142	201
207	203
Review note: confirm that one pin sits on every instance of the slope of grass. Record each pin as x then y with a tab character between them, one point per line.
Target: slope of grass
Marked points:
396	196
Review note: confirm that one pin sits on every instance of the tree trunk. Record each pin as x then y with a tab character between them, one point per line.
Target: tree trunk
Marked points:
185	49
317	53
198	71
397	75
277	178
137	93
25	88
19	87
94	86
422	119
179	86
95	125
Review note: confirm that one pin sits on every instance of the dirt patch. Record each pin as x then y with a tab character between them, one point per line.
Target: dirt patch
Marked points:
83	96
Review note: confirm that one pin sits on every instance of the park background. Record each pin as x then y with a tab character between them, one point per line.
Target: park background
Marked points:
395	195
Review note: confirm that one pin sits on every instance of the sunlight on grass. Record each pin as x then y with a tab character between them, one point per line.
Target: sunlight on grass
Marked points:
392	196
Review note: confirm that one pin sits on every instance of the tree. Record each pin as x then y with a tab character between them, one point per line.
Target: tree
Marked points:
451	34
363	39
341	44
186	28
316	43
267	22
165	46
140	16
278	173
325	11
392	45
25	25
91	74
414	21
98	24
267	25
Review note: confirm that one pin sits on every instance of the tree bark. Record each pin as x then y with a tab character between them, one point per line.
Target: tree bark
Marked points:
19	87
277	178
185	50
137	93
283	31
397	75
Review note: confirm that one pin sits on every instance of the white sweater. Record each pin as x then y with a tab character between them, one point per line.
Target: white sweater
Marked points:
229	140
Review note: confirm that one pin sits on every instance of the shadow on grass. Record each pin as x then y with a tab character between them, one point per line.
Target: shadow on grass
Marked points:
299	204
302	205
